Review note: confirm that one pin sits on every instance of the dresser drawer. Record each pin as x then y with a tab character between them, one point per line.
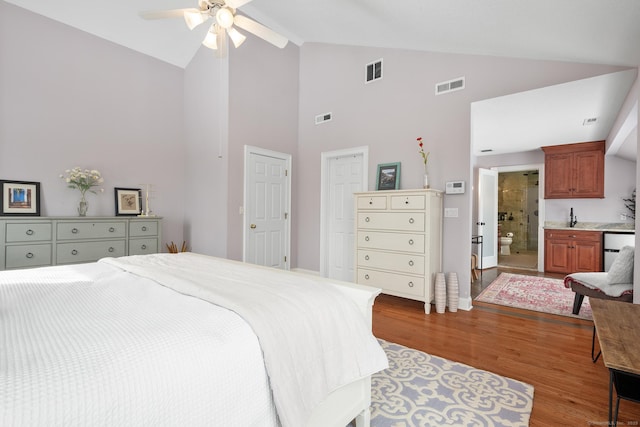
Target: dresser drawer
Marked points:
408	202
74	252
391	241
91	230
372	202
403	263
143	228
143	246
396	283
21	256
28	232
401	221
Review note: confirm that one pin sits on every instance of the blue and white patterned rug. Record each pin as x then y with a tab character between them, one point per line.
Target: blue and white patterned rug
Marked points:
423	390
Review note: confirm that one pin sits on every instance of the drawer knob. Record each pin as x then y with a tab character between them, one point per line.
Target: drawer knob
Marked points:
410	284
111	249
29	255
366	276
367	219
366	238
111	229
366	257
370	202
29	232
74	230
411	263
411	220
144	228
74	252
411	241
143	247
406	202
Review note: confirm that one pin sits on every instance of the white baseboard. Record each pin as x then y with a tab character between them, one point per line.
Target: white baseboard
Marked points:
465	304
302	270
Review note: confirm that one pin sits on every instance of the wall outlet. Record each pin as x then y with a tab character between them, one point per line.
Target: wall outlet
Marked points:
451	212
623	217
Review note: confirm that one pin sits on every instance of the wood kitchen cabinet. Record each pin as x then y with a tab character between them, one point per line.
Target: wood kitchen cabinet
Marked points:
574	171
572	251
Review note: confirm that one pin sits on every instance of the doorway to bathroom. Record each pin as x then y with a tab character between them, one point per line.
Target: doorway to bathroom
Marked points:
520	217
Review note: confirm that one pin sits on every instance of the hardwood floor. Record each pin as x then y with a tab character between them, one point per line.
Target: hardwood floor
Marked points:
552	353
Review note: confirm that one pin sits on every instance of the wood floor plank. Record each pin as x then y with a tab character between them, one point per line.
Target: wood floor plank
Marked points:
552	353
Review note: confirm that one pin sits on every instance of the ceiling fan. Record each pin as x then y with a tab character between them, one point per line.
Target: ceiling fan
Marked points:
225	19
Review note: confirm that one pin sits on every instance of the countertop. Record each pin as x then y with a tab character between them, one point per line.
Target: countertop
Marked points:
618	227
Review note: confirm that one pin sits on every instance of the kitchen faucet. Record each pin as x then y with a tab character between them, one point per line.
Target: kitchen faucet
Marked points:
572	220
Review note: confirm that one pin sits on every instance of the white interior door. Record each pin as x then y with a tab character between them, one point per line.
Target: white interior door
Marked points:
488	216
344	173
267	206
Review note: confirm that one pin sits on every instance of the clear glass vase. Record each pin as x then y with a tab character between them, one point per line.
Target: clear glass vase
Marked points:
425	182
83	207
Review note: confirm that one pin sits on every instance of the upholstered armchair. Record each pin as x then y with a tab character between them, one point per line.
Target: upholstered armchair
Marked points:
616	284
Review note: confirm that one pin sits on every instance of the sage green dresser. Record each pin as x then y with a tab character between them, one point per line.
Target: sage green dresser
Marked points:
39	241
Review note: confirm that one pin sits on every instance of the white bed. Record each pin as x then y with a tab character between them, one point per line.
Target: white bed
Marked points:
183	339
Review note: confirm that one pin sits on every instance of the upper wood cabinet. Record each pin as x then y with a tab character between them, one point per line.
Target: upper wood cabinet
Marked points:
574	171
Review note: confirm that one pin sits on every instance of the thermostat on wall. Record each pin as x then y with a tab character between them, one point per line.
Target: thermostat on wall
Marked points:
454	187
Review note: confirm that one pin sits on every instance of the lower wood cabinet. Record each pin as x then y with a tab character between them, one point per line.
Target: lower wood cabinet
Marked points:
572	251
42	241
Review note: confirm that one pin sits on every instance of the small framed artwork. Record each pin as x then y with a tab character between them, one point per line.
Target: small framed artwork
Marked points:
20	198
388	176
128	201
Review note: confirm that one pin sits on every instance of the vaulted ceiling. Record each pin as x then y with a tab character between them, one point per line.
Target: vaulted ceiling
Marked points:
588	31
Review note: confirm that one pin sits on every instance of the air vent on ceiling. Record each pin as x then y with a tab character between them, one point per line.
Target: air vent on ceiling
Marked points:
589	121
322	118
450	86
373	71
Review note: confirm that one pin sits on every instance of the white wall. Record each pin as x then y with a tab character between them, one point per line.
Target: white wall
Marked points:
263	112
389	114
206	110
71	99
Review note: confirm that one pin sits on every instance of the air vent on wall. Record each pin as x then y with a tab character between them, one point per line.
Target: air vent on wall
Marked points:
373	71
450	86
589	121
322	118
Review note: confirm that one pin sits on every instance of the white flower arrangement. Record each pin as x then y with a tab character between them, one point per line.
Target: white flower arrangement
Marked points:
83	180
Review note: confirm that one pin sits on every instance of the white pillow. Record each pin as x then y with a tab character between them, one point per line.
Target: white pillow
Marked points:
621	270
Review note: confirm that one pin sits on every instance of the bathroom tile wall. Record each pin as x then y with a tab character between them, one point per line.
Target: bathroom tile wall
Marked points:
512	205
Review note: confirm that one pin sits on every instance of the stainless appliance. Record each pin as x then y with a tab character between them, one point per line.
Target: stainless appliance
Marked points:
613	242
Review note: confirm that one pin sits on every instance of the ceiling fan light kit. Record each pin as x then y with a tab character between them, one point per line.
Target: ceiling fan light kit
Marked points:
224	14
193	18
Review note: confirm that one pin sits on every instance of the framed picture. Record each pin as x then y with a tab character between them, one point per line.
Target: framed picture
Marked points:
388	176
128	201
20	198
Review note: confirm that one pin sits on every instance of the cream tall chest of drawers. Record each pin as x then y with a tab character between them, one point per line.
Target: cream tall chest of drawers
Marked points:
39	241
399	242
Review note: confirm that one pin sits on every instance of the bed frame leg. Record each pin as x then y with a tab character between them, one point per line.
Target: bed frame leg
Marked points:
364	418
577	302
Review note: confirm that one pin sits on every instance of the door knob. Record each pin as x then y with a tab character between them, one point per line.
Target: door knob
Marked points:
252	226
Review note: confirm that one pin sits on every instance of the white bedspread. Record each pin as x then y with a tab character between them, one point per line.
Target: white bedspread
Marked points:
91	345
304	362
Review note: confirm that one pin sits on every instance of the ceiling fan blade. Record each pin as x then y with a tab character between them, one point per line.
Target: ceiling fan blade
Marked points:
261	31
236	3
162	14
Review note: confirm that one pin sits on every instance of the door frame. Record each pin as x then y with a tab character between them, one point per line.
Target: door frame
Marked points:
325	207
541	203
487	261
248	150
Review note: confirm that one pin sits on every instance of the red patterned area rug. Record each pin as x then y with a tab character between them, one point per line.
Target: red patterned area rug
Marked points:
533	293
